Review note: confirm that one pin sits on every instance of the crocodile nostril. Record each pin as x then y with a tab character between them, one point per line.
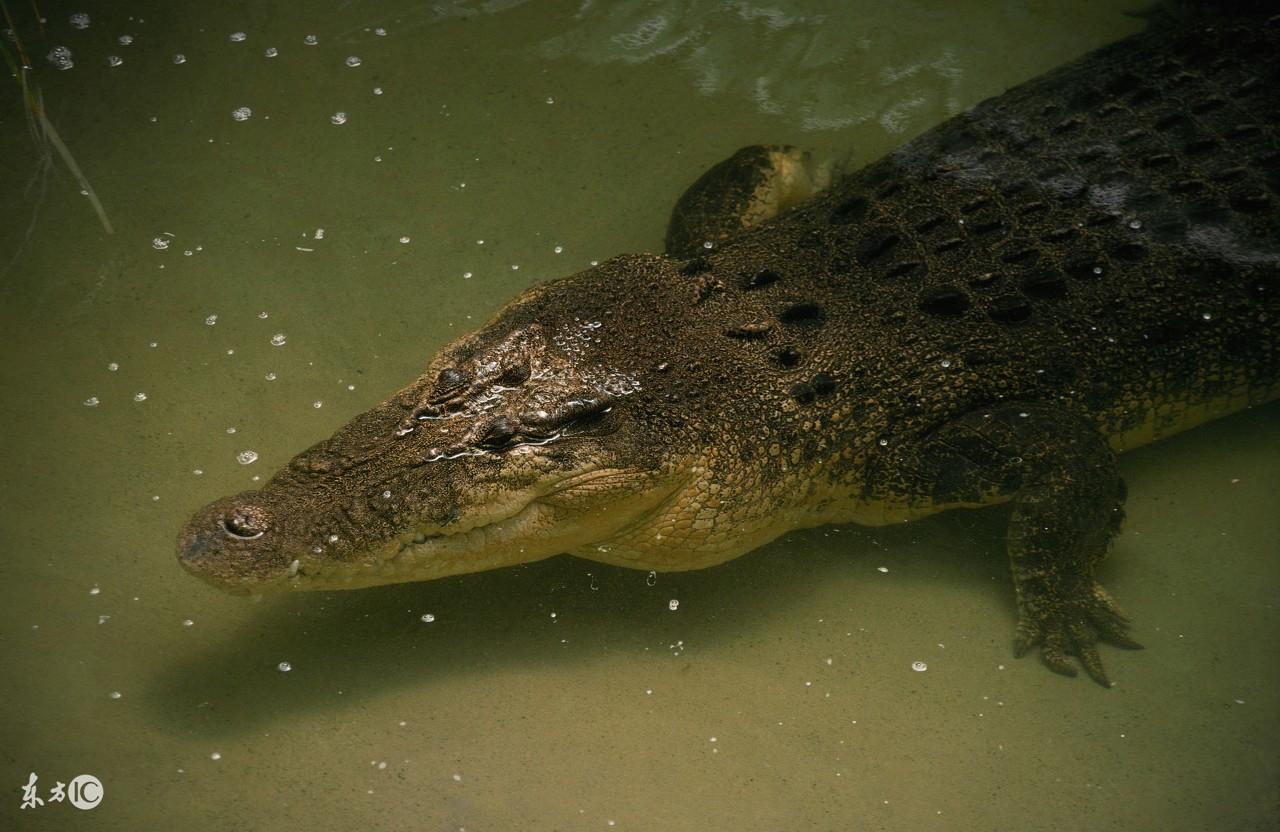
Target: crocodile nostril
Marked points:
243	527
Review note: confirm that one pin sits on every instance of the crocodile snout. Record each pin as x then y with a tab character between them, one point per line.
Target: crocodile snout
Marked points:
229	543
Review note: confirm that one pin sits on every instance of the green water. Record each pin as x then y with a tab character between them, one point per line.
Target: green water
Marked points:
562	695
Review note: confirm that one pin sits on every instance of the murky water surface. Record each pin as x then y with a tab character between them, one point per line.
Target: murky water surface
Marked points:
307	203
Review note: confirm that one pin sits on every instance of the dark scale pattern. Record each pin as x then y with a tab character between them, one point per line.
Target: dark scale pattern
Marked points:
1084	264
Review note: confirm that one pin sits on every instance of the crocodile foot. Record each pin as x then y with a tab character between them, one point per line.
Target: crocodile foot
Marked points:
1073	626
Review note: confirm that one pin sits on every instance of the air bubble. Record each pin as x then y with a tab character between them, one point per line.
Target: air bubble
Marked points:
311	40
241	113
380	32
673	604
60	56
919	667
125	40
427	618
92	401
217	755
211	320
238	37
338	118
179	58
114	60
405	239
271	52
139	396
317	404
115	694
80	20
354	61
113	366
945	363
284	667
247	457
1135	224
278	340
160	243
270	376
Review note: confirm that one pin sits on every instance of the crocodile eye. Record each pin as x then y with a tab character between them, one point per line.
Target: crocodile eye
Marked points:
497	434
515	375
450	381
243	526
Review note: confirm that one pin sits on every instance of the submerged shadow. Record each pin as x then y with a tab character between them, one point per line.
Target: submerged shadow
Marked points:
348	647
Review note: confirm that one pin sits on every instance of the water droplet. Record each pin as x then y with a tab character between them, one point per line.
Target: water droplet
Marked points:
882	569
247	457
160	244
80	20
115	694
211	320
241	114
1207	316
946	362
114	60
217	755
919	667
550	100
707	244
103	619
317	404
377	90
652	579
113	366
354	61
673	604
457	778
427	618
238	37
558	249
125	40
386	495
338	118
380	32
882	442
284	667
92	401
1135	224
139	397
278	340
466	275
271	52
179	58
1097	270
310	40
95	590
404	239
187	622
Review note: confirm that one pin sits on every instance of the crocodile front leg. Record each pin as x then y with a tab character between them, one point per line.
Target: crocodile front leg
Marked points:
1059	474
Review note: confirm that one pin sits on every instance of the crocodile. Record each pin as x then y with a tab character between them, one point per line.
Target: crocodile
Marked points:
988	315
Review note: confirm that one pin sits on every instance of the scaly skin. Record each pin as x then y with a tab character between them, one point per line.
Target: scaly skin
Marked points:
1082	265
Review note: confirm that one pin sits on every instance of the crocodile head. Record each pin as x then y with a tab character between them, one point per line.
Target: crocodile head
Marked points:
523	440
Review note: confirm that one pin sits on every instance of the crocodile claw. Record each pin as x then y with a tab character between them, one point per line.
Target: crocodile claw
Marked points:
1074	627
